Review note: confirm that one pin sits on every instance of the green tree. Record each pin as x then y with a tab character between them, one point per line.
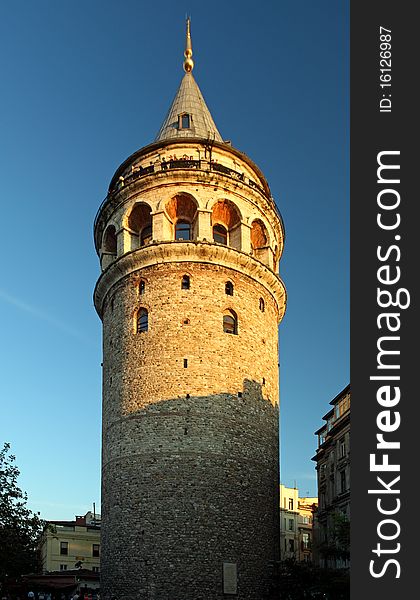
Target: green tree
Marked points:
20	528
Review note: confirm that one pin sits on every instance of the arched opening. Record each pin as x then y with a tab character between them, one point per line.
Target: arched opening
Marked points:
140	223
229	288
182	210
142	287
110	240
226	224
259	237
142	320
259	241
230	322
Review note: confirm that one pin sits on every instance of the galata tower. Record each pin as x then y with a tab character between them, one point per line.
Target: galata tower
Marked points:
189	240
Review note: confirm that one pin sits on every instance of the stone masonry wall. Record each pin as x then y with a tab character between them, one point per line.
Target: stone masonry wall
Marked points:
190	450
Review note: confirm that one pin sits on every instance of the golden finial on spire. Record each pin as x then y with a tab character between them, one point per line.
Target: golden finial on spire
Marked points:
188	62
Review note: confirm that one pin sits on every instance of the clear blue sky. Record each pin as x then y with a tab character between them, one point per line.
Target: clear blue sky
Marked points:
85	84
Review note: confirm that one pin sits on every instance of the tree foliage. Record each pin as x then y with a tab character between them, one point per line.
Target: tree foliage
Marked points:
20	528
338	546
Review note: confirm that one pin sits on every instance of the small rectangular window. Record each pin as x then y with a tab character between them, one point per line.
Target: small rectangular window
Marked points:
185	363
291	525
64	548
95	549
63	567
290	503
185	121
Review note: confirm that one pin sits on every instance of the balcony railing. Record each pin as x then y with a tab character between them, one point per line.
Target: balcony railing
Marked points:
182	163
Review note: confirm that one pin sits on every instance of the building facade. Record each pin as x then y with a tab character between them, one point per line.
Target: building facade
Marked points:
189	240
306	507
333	472
296	520
67	545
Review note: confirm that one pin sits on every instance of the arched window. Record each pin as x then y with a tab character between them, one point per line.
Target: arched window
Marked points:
185	283
229	288
230	322
220	234
110	240
259	237
142	320
146	235
262	305
182	230
140	222
142	286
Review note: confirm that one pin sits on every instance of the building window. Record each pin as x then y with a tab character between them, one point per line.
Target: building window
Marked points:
184	121
146	235
64	548
291	525
342	448
63	567
305	541
183	230
291	545
229	288
220	234
95	569
185	283
95	549
230	322
343	481
290	503
262	305
110	240
142	320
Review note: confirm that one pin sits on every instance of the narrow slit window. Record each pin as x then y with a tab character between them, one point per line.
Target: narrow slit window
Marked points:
229	288
142	287
185	363
185	283
262	305
142	321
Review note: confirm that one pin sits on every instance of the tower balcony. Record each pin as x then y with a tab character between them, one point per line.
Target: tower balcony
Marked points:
189	191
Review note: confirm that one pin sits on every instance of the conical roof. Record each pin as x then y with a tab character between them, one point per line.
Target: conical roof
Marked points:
198	122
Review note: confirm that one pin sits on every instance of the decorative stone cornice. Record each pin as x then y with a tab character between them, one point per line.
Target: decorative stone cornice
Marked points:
195	252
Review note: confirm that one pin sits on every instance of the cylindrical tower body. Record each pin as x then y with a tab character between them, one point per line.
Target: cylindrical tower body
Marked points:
189	241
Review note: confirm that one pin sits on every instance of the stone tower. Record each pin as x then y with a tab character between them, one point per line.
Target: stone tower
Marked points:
189	240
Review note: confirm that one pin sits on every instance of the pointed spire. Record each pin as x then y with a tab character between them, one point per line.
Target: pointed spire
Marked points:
188	115
188	62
